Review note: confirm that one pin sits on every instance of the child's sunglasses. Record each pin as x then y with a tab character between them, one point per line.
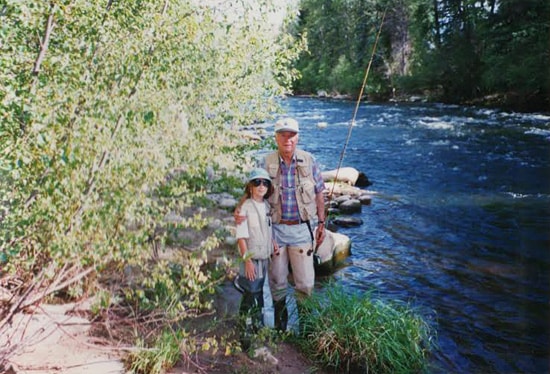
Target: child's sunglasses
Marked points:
257	182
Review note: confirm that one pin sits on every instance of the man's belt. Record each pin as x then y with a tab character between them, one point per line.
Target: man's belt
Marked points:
290	222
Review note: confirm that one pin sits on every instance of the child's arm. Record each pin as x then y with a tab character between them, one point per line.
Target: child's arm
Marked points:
249	269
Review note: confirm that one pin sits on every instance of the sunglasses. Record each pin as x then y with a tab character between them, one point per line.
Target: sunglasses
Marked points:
258	182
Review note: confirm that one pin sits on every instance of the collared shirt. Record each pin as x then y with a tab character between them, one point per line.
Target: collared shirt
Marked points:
293	234
288	181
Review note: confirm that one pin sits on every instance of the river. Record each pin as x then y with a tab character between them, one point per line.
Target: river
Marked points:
459	225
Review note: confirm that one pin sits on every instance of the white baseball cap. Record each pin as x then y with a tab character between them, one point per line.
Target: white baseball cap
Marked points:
287	124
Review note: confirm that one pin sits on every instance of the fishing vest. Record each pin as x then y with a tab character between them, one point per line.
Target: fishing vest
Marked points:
259	242
304	188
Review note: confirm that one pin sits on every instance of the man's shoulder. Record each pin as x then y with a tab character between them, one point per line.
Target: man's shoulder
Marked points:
270	157
305	156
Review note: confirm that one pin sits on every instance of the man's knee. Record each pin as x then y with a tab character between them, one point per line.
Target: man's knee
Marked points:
302	292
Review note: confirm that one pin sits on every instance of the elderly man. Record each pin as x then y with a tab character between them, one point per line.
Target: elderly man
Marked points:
297	205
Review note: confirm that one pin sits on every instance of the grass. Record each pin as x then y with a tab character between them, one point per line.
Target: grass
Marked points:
163	355
356	333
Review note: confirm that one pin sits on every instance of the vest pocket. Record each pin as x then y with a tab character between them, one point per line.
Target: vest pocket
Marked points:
273	170
304	170
307	192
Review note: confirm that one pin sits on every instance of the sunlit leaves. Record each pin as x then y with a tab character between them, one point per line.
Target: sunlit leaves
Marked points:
125	93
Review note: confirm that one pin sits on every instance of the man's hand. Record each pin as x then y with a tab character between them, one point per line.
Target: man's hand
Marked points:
276	249
237	216
320	234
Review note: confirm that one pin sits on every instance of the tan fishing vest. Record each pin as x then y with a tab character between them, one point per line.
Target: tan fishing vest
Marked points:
259	242
304	189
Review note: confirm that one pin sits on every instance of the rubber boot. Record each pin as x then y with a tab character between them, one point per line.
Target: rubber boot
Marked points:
248	303
281	314
300	310
247	310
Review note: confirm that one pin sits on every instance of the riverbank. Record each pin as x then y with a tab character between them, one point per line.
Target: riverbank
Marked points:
508	101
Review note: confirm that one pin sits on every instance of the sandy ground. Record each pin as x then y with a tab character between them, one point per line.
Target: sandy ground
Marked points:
54	339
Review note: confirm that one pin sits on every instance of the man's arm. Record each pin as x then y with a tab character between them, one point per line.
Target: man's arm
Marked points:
320	201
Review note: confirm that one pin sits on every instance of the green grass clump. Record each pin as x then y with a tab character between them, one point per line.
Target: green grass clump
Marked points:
164	354
356	333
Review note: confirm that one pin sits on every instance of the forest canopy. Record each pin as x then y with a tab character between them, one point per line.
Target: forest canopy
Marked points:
487	52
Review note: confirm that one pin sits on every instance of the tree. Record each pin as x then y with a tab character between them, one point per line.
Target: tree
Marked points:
516	52
340	37
458	51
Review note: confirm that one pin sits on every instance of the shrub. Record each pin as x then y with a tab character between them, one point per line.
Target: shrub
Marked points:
356	333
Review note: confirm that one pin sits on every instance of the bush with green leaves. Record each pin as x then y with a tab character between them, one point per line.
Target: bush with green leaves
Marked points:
101	101
358	333
101	104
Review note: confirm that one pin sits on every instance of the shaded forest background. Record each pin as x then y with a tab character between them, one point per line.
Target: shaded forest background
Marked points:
469	52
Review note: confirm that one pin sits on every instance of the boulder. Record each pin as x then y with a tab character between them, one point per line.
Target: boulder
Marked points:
350	206
223	200
365	199
347	221
341	188
333	211
333	251
362	180
341	199
347	175
322	125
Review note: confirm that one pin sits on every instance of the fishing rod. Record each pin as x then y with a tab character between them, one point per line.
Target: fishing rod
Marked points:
357	106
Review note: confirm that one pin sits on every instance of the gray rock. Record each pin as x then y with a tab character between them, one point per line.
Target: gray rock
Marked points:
347	221
365	199
341	199
228	203
223	200
350	206
347	175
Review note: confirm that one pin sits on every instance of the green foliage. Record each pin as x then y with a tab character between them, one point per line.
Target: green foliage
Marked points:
341	78
112	113
517	58
340	37
101	101
162	355
469	49
170	286
453	51
351	333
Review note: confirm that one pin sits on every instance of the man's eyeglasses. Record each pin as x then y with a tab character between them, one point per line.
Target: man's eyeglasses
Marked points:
258	182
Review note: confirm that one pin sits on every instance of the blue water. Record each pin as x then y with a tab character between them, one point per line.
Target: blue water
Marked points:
459	224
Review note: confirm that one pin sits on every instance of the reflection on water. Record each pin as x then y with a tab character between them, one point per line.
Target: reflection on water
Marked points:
460	224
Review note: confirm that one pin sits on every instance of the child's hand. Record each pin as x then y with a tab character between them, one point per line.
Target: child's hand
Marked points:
249	270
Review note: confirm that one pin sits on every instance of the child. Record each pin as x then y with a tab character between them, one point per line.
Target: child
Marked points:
255	242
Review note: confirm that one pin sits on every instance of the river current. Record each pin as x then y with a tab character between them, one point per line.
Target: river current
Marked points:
459	225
